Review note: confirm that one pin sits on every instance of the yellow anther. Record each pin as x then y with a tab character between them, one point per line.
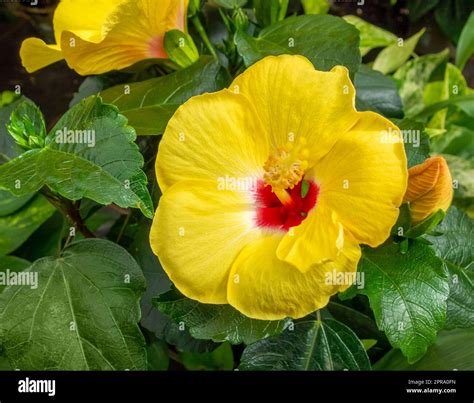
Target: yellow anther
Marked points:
285	168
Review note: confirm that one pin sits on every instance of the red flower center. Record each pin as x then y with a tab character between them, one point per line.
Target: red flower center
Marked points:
272	213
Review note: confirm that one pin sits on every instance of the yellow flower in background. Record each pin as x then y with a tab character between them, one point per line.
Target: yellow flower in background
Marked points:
270	186
429	189
97	36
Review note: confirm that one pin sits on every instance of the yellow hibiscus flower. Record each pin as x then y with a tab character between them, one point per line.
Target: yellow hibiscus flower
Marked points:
270	186
97	36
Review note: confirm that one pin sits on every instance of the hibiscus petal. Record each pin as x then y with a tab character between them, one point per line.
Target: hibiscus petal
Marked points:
364	177
212	136
319	238
36	54
197	233
293	99
134	32
263	287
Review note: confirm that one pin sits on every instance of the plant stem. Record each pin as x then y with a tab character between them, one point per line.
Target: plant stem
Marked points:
69	210
198	25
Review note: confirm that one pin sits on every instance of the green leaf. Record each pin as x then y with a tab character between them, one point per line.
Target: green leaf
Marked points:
407	293
325	40
451	16
417	144
216	322
412	78
392	57
104	165
7	97
310	345
16	228
157	356
315	6
230	4
268	12
10	203
12	264
453	350
466	43
425	226
418	8
456	248
371	36
82	316
148	105
462	172
221	359
376	92
27	126
180	48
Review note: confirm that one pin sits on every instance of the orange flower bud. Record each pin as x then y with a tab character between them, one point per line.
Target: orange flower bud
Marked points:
429	188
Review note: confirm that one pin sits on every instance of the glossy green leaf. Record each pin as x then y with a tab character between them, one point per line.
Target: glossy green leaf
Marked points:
148	105
27	126
216	322
82	316
371	36
466	43
376	92
407	293
325	40
102	163
453	350
393	56
17	227
456	248
310	345
425	226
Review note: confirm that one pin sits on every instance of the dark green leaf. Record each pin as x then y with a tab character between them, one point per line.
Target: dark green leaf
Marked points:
407	293
418	8
221	359
11	264
148	105
451	16
378	93
216	322
157	356
425	226
416	141
82	316
310	345
456	248
103	163
453	350
325	40
16	228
